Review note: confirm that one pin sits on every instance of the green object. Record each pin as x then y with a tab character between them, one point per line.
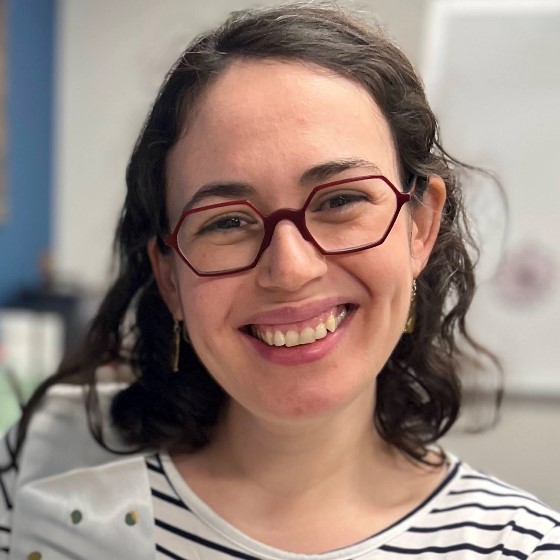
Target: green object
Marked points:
12	390
131	518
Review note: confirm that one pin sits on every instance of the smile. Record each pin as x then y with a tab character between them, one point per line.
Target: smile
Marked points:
306	333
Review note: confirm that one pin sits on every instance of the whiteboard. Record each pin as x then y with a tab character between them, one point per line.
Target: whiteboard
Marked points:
492	75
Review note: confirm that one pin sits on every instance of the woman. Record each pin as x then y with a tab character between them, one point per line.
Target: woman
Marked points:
293	275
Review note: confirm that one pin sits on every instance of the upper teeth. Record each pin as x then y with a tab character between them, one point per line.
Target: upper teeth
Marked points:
305	336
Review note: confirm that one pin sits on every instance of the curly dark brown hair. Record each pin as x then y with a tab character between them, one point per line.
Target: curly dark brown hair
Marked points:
418	390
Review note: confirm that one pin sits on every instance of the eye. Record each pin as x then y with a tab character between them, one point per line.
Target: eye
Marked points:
340	200
230	222
227	223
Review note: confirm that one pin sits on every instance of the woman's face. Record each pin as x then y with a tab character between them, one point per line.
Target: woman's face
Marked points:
266	124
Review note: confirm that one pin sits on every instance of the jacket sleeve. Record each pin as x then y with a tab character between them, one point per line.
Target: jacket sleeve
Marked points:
8	477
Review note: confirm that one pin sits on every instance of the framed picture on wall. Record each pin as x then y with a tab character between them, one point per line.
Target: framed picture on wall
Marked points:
492	75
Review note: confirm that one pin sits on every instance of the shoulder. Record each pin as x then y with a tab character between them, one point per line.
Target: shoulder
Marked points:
496	515
59	438
473	489
63	472
475	514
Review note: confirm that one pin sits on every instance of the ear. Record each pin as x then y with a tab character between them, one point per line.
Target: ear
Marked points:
426	219
162	267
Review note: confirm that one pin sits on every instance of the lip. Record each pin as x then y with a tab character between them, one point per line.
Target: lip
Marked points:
294	314
301	354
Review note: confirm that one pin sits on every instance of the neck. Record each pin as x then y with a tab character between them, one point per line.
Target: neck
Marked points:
298	457
307	486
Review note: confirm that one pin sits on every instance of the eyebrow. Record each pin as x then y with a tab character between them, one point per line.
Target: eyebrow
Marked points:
324	171
235	190
223	189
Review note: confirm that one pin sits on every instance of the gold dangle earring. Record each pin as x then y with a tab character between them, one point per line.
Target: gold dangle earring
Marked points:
411	320
176	346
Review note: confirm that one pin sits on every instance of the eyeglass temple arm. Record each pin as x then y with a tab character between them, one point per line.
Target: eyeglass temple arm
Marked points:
417	184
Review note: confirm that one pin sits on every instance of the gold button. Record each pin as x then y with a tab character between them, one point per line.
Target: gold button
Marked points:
76	516
131	518
34	556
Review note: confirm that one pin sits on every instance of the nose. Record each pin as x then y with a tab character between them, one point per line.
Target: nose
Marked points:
290	262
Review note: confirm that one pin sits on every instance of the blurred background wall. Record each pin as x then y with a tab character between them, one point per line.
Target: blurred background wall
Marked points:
84	103
26	170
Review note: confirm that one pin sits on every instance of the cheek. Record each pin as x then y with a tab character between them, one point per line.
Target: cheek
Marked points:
204	309
387	272
208	306
388	267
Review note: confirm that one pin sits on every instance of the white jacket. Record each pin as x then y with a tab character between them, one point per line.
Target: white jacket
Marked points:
72	498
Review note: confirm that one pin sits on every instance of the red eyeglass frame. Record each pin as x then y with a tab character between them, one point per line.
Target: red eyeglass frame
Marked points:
297	217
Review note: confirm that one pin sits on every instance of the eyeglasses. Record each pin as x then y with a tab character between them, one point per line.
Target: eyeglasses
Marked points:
339	217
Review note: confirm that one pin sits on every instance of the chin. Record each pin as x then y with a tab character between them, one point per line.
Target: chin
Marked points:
315	402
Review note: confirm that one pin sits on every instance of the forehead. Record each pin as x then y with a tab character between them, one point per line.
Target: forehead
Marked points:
265	122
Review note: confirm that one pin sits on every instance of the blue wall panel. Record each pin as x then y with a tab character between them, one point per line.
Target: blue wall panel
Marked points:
25	235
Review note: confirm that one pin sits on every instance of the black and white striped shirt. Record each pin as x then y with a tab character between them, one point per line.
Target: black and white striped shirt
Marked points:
469	516
7	483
